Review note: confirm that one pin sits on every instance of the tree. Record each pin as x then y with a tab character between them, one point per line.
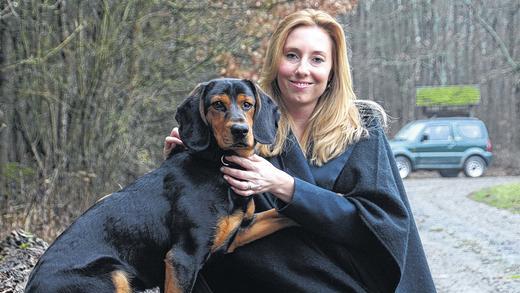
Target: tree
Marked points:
90	88
398	46
256	28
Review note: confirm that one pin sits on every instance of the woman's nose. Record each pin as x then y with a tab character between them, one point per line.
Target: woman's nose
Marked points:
303	68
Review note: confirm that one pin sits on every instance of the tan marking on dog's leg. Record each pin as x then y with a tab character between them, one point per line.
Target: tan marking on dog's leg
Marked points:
171	284
250	211
225	227
121	283
264	223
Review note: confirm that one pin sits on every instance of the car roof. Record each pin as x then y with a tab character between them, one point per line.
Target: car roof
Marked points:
446	119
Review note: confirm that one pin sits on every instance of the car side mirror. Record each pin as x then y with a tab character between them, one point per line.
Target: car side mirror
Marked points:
424	137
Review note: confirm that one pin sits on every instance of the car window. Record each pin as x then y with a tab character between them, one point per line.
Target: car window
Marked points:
470	130
409	132
437	132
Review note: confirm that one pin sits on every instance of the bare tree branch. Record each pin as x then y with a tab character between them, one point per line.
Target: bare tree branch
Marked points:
489	29
12	7
38	60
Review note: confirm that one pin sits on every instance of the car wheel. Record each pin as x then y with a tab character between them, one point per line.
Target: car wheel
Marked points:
449	172
474	166
404	166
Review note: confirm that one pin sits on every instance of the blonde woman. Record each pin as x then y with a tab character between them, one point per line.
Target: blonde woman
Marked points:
331	170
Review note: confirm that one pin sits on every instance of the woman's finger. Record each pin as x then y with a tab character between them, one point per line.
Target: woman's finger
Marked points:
242	192
175	132
241	161
170	140
239	184
256	158
236	173
244	188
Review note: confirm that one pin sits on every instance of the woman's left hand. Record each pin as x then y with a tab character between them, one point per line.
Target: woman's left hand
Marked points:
258	176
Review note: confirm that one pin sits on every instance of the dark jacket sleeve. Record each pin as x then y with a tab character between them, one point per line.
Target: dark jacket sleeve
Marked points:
366	193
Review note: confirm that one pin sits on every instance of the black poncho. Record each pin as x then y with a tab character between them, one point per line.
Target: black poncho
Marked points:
357	231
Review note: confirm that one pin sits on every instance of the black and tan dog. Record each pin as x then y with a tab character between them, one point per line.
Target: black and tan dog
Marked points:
160	230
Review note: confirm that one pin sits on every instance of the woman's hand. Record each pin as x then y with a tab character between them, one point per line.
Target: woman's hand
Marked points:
259	176
170	142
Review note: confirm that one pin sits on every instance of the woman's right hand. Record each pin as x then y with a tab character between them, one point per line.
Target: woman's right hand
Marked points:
171	141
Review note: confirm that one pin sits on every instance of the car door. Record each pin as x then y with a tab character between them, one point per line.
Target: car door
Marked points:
436	147
468	135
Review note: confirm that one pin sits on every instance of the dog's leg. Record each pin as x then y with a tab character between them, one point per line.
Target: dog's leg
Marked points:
171	284
121	283
263	224
181	271
225	228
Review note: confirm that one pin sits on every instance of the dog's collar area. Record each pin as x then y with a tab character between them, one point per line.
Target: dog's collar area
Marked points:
229	164
224	161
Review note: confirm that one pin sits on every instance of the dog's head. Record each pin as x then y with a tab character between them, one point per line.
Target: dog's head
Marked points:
235	113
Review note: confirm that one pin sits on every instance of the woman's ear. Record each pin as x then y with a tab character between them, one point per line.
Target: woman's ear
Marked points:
193	128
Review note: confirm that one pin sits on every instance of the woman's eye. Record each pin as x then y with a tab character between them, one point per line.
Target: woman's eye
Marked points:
291	56
318	60
247	106
219	106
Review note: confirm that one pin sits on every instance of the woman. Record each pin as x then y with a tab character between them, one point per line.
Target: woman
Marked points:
331	170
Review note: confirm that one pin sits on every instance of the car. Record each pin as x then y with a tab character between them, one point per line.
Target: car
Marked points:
448	145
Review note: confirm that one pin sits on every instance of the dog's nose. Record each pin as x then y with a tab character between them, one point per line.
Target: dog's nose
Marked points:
239	130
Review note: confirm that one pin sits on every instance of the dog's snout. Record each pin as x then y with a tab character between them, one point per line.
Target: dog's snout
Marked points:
239	130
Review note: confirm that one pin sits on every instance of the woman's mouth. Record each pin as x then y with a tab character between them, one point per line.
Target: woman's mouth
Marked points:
300	84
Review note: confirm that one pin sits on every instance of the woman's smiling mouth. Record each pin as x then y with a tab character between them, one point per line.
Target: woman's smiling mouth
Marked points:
300	84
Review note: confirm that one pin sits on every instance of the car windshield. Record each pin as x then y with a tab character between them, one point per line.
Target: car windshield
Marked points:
409	131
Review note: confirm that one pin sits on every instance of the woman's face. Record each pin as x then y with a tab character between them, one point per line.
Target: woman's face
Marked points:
305	66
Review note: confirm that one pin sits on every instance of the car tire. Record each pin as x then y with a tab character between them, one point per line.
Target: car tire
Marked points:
474	166
449	172
404	166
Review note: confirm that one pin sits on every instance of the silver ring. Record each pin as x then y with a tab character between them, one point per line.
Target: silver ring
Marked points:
223	162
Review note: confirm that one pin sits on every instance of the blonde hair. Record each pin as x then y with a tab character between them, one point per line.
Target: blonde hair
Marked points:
336	121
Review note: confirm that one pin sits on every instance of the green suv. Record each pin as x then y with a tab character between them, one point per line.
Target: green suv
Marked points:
448	145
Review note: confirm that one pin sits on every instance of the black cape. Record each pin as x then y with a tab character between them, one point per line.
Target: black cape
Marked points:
357	231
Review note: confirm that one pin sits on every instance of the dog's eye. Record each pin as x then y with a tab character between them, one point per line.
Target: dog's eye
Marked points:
219	106
247	106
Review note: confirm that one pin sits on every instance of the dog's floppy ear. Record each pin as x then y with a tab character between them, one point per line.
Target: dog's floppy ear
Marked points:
266	116
193	128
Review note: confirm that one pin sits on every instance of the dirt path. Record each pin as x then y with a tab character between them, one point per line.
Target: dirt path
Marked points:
471	247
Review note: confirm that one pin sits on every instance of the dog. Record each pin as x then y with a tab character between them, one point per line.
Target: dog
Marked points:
161	229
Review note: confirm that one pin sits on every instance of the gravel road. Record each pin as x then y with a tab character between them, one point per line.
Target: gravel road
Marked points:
471	247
